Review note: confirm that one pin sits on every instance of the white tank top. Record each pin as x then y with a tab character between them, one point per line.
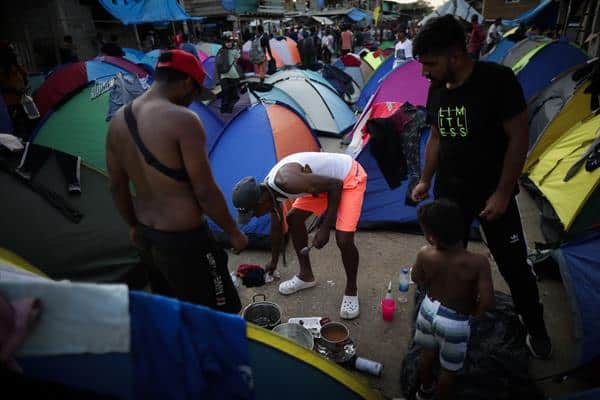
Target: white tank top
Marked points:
333	165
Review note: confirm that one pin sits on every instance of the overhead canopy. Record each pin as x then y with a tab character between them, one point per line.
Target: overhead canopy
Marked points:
145	11
541	13
323	20
459	8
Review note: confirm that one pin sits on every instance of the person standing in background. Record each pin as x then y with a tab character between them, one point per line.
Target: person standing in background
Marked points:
475	38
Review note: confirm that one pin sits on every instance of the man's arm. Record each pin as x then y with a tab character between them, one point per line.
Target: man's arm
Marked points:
119	181
276	237
192	147
485	288
516	152
431	162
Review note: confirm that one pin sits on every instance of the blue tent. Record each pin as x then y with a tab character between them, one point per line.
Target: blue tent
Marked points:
546	64
133	55
210	121
544	14
374	81
579	263
276	131
383	206
145	11
499	51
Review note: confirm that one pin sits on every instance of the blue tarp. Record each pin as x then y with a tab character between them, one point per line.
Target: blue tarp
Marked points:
240	6
358	15
145	11
499	51
580	269
374	81
547	64
544	14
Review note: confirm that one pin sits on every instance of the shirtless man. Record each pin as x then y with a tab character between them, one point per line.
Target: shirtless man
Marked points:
458	284
320	183
158	144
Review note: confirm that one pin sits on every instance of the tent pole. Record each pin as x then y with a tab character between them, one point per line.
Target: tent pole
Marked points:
137	37
566	26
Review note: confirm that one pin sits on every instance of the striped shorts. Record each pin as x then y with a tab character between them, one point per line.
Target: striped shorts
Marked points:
442	328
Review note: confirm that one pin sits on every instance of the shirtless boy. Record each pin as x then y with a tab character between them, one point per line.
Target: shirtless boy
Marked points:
458	284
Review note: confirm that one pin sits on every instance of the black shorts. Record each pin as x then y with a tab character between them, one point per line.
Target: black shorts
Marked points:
189	266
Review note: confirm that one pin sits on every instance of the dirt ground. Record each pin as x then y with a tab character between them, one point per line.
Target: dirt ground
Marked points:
382	255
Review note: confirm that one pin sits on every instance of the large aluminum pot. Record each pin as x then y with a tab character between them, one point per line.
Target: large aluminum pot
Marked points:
262	313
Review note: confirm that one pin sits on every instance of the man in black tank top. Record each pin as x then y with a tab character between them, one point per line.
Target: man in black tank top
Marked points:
477	148
158	144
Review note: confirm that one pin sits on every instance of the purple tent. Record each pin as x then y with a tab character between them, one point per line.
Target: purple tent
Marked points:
209	68
405	83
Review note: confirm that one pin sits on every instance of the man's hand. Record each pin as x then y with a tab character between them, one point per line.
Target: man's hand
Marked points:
421	191
321	238
239	241
495	206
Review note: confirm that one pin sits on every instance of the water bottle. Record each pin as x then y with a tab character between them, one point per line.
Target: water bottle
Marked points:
403	286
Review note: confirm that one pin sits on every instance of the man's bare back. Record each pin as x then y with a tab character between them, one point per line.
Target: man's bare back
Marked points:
165	129
456	278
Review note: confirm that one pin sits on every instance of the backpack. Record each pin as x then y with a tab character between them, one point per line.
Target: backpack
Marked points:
222	64
257	54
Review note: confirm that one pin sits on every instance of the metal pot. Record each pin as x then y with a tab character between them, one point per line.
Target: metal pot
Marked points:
334	344
296	333
263	313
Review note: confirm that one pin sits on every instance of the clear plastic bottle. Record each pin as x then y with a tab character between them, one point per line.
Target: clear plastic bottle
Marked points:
403	285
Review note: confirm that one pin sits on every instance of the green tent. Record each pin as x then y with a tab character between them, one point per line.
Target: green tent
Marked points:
79	128
96	249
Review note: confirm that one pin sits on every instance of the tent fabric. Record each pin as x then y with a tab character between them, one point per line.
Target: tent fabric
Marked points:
536	69
145	11
403	84
520	50
458	8
97	249
275	95
194	367
343	83
277	131
299	74
124	64
133	55
374	81
373	60
164	336
541	12
579	263
499	51
211	123
568	199
285	51
79	127
211	49
211	73
325	111
557	108
354	66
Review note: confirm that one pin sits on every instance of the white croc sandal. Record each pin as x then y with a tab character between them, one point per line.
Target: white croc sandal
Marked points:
295	285
349	308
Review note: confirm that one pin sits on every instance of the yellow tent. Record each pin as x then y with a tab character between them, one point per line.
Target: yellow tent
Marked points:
373	61
576	108
568	199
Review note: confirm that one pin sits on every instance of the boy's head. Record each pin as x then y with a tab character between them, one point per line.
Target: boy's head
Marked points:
442	223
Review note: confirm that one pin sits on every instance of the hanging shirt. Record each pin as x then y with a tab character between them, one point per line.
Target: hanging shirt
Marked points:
332	165
346	40
472	138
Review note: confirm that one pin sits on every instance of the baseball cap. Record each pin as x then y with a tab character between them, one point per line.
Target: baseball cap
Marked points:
245	196
185	62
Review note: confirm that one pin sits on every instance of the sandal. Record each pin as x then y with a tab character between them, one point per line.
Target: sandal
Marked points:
350	307
295	285
271	276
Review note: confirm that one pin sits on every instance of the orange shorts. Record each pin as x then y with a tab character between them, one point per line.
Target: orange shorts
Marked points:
350	206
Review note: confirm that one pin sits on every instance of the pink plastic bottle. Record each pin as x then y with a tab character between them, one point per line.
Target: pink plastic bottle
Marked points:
388	305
